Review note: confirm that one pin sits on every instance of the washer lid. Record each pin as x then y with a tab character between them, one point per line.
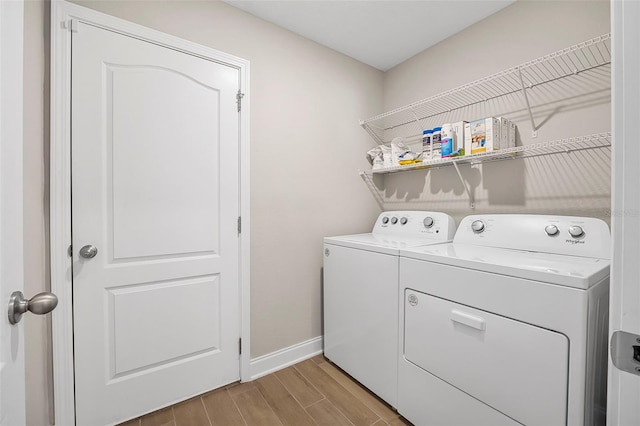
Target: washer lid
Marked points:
570	271
386	244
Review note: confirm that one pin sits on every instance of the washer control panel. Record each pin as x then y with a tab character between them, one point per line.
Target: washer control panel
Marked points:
576	236
418	224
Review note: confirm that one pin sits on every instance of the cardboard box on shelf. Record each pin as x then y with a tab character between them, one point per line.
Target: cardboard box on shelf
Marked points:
482	136
493	128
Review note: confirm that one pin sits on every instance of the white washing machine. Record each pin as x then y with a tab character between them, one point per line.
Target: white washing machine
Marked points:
507	324
361	295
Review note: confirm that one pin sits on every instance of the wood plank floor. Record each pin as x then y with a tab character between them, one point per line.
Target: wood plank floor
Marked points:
313	392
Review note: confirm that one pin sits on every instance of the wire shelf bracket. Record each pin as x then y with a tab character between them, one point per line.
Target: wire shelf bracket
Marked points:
367	177
534	129
472	202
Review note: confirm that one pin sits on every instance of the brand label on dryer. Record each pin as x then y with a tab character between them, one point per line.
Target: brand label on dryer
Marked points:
575	241
413	299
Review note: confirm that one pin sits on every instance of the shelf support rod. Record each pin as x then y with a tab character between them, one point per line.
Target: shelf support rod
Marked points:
421	130
472	202
417	119
534	131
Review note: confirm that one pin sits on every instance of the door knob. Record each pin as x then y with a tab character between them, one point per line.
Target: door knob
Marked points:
41	303
88	252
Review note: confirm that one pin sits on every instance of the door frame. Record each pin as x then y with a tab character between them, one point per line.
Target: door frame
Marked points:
625	223
64	17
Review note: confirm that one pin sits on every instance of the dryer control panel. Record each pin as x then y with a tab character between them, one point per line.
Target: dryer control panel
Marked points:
570	235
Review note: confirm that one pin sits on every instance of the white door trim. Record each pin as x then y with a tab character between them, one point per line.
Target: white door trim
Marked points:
63	15
622	396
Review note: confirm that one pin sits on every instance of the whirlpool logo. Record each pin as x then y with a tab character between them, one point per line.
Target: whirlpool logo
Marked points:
413	299
575	242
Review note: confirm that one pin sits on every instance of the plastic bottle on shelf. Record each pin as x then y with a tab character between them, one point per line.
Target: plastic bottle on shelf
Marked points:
436	143
446	138
426	144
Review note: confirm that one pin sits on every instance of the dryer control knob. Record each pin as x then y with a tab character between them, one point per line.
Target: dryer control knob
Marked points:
477	226
576	231
394	220
428	222
403	221
385	220
552	230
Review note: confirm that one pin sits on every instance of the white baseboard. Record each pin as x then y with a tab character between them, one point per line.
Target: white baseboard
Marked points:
270	363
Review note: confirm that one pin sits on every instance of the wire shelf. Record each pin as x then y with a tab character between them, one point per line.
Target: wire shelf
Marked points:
408	121
599	140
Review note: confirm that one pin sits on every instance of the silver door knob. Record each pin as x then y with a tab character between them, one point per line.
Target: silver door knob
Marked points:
88	252
41	303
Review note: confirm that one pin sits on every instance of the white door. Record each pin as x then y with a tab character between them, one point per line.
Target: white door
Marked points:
155	190
12	389
624	386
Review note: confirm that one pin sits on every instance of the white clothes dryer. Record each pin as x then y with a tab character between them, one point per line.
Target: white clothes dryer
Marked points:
507	324
361	295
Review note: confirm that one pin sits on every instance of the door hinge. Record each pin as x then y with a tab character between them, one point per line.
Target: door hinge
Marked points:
239	97
71	25
240	346
70	250
239	225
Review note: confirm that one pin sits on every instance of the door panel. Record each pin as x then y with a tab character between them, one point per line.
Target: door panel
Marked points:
12	363
148	331
155	189
151	213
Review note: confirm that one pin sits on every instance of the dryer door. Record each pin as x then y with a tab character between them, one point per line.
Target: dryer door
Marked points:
516	368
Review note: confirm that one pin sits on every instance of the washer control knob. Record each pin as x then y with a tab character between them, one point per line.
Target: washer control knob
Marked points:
394	220
477	226
403	221
576	231
385	220
428	222
551	230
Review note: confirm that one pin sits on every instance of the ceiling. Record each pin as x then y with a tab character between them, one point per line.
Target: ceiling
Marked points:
380	33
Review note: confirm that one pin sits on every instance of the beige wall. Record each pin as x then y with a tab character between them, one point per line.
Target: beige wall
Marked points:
306	147
574	184
306	150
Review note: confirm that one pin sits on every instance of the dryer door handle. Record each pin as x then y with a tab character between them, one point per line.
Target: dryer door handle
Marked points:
468	319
